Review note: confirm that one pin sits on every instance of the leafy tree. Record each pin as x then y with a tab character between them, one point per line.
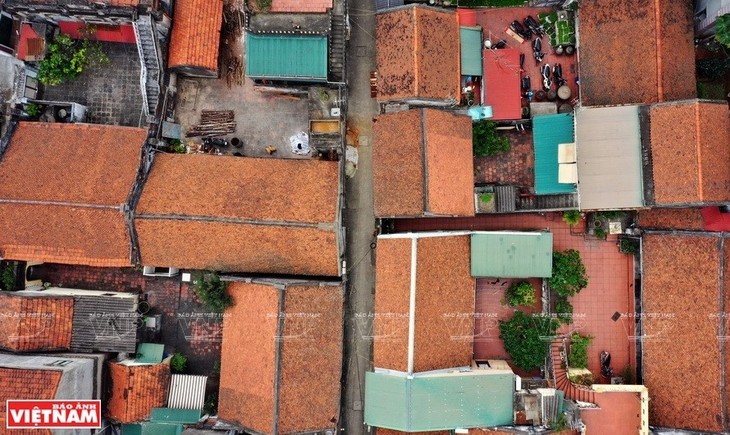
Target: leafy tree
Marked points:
578	357
178	363
487	141
67	59
569	273
526	338
564	310
213	292
520	293
7	277
722	30
572	217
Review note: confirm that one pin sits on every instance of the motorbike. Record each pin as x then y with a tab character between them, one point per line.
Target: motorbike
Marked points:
537	50
606	370
534	26
526	85
501	44
518	28
215	142
546	82
558	74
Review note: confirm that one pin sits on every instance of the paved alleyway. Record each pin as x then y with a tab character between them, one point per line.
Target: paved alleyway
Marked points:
359	216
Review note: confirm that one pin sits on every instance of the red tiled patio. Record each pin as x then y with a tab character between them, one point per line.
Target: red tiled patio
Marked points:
494	21
610	283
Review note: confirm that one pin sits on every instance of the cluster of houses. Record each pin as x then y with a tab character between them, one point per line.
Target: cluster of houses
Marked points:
85	184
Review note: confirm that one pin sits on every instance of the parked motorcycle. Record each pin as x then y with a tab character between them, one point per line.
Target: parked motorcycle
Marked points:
558	75
501	44
534	26
215	142
606	370
518	28
526	85
537	50
546	82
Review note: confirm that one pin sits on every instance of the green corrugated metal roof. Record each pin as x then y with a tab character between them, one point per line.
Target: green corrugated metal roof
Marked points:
471	51
131	429
170	415
290	57
148	428
512	255
548	131
441	402
150	353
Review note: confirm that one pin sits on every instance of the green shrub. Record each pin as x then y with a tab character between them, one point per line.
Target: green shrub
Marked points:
7	277
32	109
485	197
578	357
66	59
564	310
572	217
722	30
628	375
610	214
586	379
213	292
628	246
178	363
263	5
487	141
569	273
527	338
560	423
178	147
520	293
600	233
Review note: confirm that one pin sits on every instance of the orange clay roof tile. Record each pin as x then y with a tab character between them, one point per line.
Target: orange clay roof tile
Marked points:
399	175
618	69
35	323
195	35
417	53
135	390
690	148
19	384
309	364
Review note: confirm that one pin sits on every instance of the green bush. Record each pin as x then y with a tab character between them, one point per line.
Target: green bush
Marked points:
628	246
485	197
66	59
32	109
527	338
628	375
564	310
178	363
560	423
610	214
569	273
7	277
578	357
520	293
586	379
722	30
263	5
572	217
600	233
178	147
487	141
213	292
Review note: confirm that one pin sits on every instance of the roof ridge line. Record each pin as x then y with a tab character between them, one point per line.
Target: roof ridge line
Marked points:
262	222
61	203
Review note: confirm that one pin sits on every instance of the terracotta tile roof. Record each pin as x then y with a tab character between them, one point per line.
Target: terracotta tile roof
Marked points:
35	323
265	215
282	190
18	384
417	53
671	219
299	6
616	69
195	35
405	163
690	150
309	363
680	288
135	390
445	292
62	187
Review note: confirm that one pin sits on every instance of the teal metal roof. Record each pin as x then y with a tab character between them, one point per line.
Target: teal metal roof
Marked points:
150	353
290	57
438	402
471	51
170	415
549	131
147	428
512	255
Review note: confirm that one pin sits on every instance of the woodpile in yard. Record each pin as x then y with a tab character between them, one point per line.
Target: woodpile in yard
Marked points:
214	123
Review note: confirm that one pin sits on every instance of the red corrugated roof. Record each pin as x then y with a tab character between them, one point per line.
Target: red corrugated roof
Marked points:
28	44
502	83
715	220
108	33
467	17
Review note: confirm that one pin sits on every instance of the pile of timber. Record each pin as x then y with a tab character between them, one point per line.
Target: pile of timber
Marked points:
214	123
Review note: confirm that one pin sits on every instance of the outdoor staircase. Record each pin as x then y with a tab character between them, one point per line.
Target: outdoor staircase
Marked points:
151	74
563	201
560	374
337	40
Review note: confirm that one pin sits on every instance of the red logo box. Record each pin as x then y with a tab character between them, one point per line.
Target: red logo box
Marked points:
53	414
